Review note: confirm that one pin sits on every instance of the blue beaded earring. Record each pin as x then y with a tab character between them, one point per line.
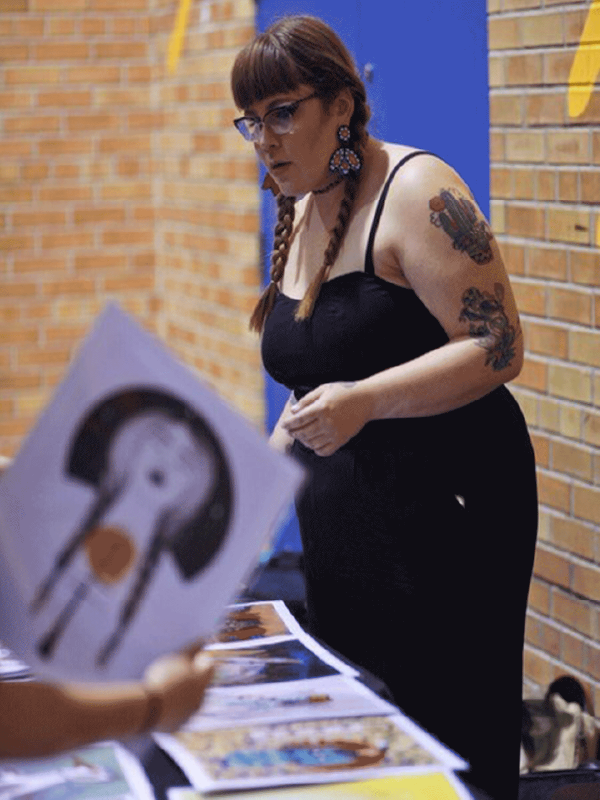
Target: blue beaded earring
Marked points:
345	159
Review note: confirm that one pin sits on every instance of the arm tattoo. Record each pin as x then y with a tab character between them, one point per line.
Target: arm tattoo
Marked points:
488	322
457	216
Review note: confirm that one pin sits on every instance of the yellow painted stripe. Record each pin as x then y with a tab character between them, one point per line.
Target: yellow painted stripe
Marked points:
586	65
177	34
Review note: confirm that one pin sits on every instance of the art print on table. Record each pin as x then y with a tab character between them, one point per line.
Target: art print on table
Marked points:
312	751
248	621
290	660
335	696
100	772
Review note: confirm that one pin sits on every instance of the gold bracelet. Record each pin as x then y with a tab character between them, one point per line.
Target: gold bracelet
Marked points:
153	710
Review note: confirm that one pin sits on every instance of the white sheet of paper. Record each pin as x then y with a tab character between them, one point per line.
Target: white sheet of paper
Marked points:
256	623
132	513
334	696
306	751
104	771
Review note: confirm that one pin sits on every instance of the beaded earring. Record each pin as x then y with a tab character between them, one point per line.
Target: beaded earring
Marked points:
344	159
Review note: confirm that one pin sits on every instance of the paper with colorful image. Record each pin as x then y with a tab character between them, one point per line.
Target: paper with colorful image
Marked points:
105	771
248	622
274	662
433	786
315	751
317	698
133	512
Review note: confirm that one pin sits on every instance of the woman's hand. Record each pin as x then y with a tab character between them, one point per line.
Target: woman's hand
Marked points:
179	683
328	417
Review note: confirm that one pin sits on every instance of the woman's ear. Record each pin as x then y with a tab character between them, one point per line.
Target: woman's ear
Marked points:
343	106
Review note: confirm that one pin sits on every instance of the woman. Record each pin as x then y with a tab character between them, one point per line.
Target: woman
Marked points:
391	318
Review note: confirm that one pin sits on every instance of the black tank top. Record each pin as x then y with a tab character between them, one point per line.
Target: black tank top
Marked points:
360	325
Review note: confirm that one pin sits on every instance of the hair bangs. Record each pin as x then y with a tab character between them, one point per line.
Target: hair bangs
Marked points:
263	68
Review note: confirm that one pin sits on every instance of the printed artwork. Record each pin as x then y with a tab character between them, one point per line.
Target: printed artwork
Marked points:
334	696
315	746
269	663
100	772
161	485
252	621
288	711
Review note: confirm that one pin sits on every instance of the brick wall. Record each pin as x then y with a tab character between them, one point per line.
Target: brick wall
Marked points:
209	217
545	193
118	181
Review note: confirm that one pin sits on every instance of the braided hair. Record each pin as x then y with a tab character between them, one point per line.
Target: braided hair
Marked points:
299	50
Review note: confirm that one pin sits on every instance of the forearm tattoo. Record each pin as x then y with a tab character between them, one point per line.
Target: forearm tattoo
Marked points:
488	322
457	216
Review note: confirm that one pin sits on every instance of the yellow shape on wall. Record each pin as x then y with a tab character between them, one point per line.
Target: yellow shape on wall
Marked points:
178	33
586	66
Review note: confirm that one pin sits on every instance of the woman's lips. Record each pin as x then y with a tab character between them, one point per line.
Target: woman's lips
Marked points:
279	165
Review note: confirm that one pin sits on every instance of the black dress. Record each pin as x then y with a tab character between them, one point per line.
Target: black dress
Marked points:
418	534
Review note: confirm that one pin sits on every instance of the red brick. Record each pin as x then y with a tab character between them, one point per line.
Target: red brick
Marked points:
586	581
32	124
93	122
63	99
547	339
547	262
572	650
61	51
570	304
572	611
14	52
554	491
121	50
551	567
67	240
539	596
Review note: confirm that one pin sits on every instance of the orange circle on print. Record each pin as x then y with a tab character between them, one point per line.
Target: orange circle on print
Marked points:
110	552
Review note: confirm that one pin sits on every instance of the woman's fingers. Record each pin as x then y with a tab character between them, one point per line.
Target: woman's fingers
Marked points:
180	682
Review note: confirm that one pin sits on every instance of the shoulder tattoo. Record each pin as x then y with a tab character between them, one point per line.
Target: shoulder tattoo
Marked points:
457	216
488	322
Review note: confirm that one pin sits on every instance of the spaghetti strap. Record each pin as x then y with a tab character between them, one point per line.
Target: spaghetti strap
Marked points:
369	265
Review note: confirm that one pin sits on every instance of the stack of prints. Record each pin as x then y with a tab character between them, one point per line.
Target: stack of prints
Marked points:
282	710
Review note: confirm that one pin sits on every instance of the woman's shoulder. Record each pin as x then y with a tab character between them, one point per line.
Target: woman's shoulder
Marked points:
420	174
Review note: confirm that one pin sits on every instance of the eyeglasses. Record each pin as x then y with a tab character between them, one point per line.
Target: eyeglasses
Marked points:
279	120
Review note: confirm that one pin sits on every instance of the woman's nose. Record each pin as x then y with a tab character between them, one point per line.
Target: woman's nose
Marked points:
265	138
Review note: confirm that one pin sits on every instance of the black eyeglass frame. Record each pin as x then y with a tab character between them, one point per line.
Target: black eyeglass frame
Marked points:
260	122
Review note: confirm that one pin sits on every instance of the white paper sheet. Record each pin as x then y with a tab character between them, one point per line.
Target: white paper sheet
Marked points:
306	751
105	771
275	662
257	622
336	696
133	512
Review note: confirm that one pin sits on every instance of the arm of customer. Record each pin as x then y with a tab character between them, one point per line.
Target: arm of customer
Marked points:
445	252
40	719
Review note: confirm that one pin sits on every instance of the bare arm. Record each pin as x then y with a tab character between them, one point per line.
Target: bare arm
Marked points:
280	439
448	256
42	719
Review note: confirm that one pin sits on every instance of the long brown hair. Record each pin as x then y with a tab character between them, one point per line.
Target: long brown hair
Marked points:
299	50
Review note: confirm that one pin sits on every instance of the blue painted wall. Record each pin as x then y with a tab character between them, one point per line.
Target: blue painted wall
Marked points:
427	87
